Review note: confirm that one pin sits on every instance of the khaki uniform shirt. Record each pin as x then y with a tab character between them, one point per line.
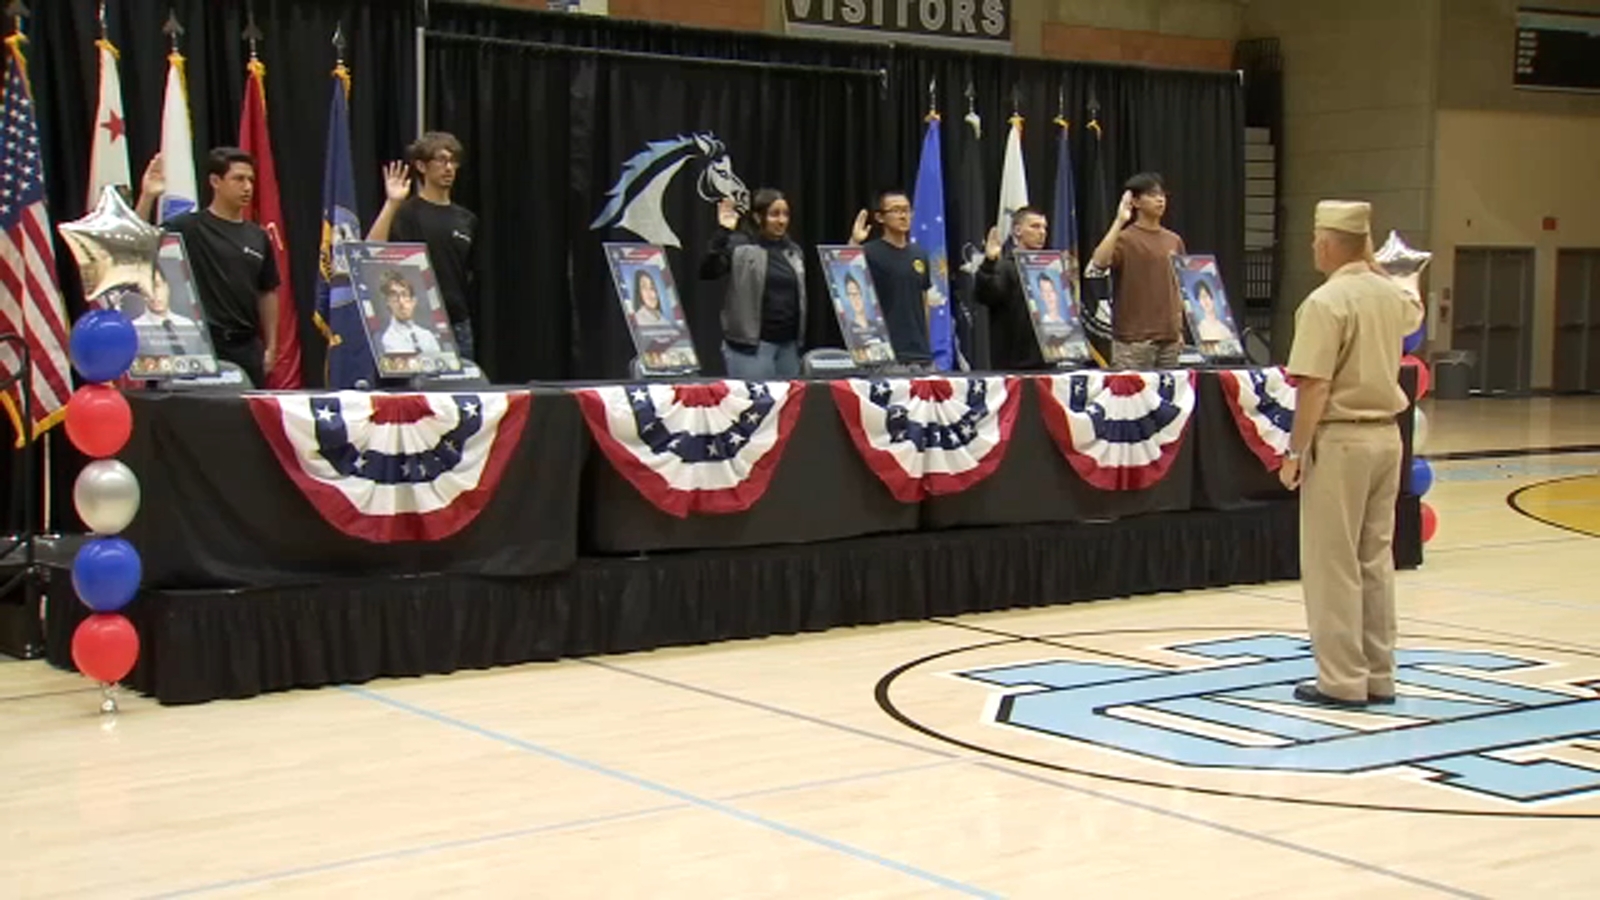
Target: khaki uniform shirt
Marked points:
1349	332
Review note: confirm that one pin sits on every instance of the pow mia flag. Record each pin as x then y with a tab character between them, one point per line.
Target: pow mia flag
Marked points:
965	20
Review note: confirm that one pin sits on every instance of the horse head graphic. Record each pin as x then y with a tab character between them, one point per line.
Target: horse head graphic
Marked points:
634	203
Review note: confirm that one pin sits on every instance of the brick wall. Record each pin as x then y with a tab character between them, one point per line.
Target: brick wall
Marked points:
737	15
1150	48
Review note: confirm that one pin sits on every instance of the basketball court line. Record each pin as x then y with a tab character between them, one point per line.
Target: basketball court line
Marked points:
1052	642
1325	855
1186	818
695	800
1513	452
549	828
1556	643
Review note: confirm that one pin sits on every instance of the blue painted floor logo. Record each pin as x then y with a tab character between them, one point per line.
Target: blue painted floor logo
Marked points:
1481	729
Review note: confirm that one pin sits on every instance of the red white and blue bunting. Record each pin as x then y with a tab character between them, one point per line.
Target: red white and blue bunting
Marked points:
695	448
929	436
1121	431
1262	402
394	467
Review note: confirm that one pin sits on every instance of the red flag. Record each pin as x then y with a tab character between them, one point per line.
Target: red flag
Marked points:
256	140
30	302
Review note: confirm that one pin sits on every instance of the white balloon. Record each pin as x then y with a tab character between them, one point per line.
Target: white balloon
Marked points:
1419	430
106	496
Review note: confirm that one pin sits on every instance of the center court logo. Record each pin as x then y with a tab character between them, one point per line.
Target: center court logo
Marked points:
1483	729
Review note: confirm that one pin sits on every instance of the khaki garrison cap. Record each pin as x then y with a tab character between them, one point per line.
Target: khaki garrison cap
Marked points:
1351	217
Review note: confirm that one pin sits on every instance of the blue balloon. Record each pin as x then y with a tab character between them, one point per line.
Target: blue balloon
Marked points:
1421	476
106	574
1414	340
104	344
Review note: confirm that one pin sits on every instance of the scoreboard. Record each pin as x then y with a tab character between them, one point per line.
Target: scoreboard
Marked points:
1557	51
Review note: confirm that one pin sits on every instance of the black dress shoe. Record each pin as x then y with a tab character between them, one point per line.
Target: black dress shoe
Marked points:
1308	693
1381	699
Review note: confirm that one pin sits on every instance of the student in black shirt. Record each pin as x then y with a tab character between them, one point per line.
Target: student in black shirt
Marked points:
764	308
431	218
235	269
900	273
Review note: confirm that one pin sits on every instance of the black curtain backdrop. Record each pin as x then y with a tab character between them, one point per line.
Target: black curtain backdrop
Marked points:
561	122
1189	126
299	54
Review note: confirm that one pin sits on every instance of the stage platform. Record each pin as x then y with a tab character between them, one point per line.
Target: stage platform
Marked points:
252	587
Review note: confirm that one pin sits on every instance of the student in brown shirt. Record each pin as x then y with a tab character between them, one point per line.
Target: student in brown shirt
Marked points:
1147	318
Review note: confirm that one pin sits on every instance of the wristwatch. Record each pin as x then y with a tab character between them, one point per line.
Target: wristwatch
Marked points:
1292	456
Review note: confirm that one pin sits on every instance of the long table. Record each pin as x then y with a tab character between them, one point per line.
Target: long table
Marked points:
248	589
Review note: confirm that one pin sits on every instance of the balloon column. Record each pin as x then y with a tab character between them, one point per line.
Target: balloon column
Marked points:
116	253
1405	266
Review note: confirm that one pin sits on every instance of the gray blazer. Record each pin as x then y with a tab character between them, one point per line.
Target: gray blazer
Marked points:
745	262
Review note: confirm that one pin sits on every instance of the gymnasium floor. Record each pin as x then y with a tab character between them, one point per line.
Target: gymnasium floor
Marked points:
870	762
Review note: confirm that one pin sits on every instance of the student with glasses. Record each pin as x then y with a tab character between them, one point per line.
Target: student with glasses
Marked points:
432	218
900	272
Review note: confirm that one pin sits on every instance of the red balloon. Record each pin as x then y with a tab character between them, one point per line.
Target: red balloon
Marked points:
99	421
1424	377
105	647
1430	523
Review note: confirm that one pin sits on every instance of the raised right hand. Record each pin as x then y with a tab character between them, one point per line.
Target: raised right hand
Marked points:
397	182
992	244
154	182
860	230
727	214
1125	208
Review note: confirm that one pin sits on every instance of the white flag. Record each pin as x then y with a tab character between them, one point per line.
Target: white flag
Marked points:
108	164
177	145
1013	180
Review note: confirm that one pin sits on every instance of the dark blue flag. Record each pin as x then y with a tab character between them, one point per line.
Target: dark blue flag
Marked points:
1064	212
927	229
350	362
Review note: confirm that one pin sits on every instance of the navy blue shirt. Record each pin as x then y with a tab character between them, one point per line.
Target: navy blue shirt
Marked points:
901	275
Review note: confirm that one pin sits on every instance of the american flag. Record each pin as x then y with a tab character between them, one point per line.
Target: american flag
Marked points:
30	300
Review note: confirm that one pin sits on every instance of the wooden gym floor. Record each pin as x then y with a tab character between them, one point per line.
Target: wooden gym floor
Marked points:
1141	747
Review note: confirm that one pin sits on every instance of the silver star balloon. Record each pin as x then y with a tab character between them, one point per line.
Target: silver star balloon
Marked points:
1403	263
115	249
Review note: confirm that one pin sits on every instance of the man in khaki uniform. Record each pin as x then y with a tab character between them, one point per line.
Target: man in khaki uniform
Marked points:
1345	456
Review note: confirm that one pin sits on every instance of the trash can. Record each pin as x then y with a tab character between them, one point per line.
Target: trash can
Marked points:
1452	374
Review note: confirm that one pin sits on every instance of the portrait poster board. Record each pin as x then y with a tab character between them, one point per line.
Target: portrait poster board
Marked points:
855	303
652	308
402	309
1205	305
174	341
1050	284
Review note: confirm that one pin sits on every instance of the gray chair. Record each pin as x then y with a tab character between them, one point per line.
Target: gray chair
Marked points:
827	362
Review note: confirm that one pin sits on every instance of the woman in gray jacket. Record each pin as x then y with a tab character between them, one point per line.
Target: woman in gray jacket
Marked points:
764	310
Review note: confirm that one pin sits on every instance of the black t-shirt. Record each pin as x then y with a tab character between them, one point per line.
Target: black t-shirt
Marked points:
233	265
780	308
451	234
901	275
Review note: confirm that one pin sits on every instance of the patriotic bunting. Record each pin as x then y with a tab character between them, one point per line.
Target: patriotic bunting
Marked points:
394	467
1120	431
695	448
1262	403
929	436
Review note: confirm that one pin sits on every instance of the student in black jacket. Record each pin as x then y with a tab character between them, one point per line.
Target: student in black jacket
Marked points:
1012	342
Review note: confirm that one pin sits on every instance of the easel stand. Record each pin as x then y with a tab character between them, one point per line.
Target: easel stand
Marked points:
21	631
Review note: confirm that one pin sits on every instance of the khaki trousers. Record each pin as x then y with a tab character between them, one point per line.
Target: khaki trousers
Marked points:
1347	501
1145	356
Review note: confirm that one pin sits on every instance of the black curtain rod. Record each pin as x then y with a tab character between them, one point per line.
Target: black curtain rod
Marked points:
882	75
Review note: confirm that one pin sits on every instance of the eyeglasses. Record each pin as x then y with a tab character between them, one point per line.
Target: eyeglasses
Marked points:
896	210
447	161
